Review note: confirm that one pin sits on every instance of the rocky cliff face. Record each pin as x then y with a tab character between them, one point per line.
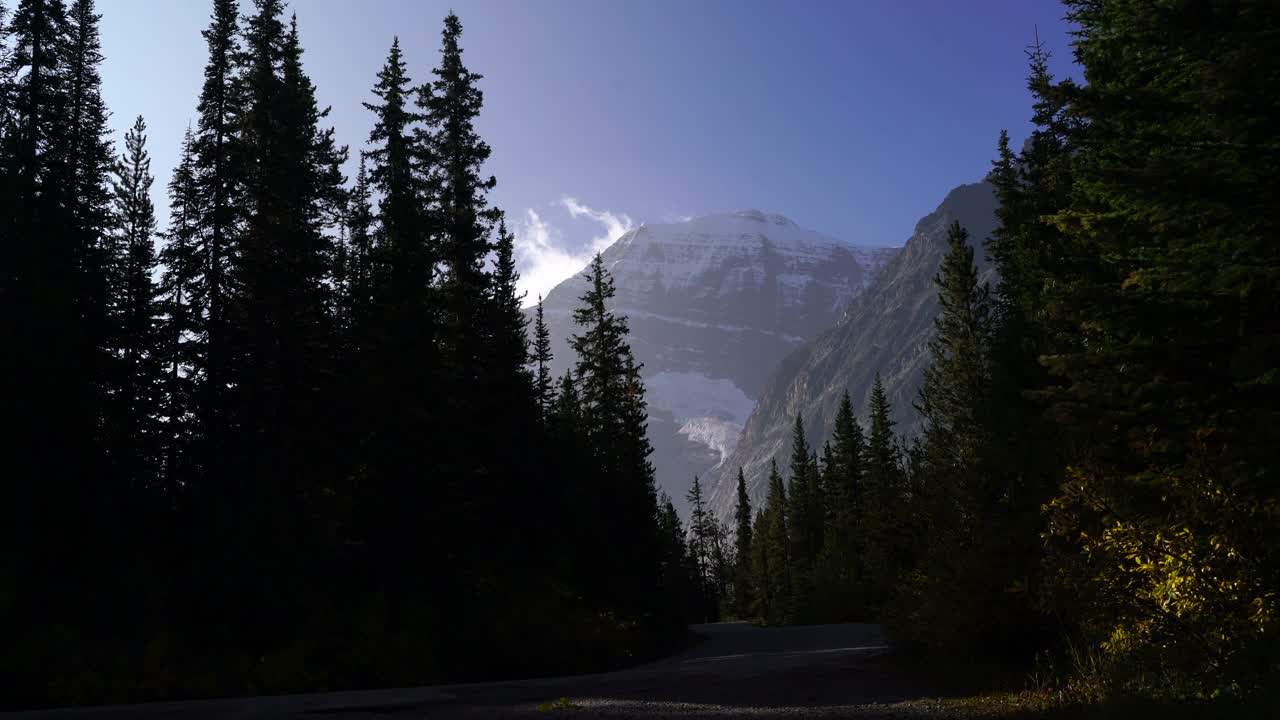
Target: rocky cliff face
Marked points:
714	305
886	328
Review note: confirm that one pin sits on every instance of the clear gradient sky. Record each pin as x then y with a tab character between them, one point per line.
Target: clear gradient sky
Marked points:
853	118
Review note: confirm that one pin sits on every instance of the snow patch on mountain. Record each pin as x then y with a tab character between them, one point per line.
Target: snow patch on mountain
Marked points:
720	435
688	395
710	411
714	304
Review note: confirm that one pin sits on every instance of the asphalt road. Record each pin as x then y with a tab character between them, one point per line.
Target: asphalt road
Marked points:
735	671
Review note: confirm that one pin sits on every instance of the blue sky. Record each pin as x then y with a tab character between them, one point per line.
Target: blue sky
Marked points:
853	117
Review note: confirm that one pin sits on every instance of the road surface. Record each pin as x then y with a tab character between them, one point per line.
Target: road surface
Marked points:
736	671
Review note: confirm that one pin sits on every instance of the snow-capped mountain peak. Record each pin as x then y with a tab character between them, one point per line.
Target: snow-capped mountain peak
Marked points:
714	303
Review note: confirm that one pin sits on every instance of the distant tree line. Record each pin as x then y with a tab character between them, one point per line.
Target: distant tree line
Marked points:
1098	476
299	438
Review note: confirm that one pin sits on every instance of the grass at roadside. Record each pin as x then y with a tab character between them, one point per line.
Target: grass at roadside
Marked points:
988	692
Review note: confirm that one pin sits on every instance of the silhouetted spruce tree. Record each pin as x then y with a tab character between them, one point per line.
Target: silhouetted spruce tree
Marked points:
761	599
518	503
1032	187
359	224
776	581
91	162
957	382
51	413
702	545
743	584
543	384
677	568
352	288
577	499
959	599
398	365
450	105
478	481
614	415
133	434
180	344
804	524
637	490
6	79
219	179
881	501
283	340
397	166
839	580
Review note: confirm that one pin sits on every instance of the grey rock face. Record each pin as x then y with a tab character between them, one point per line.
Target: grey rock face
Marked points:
714	304
886	328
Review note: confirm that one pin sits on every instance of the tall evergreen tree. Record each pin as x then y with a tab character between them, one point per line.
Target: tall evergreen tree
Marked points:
743	584
614	414
513	407
134	385
707	550
880	501
398	363
541	357
220	170
1170	385
676	566
972	548
91	163
396	171
699	539
838	579
775	583
761	592
450	107
804	523
180	344
282	341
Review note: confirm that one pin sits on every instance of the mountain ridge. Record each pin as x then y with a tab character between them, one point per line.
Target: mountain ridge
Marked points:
713	304
886	329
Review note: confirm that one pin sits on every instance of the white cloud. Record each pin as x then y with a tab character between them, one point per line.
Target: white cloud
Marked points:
615	225
542	256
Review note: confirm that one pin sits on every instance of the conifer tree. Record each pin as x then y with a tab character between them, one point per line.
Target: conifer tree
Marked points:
396	168
91	162
219	179
636	490
848	451
541	357
399	364
707	550
743	584
776	582
762	598
353	281
880	501
513	410
509	352
677	582
182	301
699	539
134	385
450	107
283	335
1169	385
959	599
837	578
804	523
613	412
